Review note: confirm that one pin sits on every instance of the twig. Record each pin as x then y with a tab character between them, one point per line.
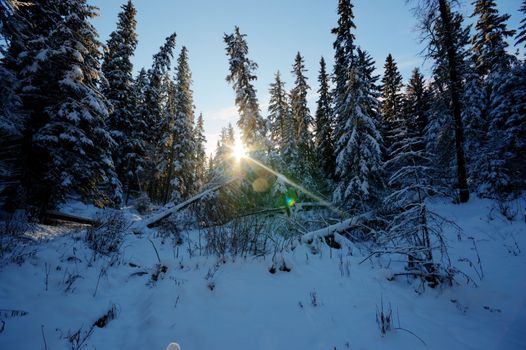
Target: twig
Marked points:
408	331
156	252
43	336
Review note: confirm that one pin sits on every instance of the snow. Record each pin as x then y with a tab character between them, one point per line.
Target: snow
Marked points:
327	301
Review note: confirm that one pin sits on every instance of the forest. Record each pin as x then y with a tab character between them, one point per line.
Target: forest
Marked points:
391	200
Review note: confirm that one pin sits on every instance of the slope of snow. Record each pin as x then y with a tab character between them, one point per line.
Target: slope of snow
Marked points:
327	301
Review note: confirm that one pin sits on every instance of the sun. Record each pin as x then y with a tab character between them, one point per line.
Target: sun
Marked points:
239	151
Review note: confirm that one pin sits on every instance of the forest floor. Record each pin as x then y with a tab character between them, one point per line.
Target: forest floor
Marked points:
57	296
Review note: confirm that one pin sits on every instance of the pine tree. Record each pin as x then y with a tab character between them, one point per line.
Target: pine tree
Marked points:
521	33
252	125
391	101
358	150
301	118
490	39
324	140
117	68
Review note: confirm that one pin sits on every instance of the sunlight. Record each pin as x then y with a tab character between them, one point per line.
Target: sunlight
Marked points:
239	150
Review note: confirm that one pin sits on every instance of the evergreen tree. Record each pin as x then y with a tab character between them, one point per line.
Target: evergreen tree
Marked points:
447	41
252	125
521	33
72	143
506	150
301	117
416	103
200	153
410	227
343	50
490	39
183	147
324	140
12	118
278	110
152	115
391	101
358	150
117	68
343	59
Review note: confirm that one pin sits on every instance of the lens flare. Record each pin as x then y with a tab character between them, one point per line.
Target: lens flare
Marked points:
291	201
239	151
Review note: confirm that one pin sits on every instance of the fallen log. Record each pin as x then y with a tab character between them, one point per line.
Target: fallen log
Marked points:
57	215
330	231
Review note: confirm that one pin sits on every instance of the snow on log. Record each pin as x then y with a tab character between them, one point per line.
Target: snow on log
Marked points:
332	230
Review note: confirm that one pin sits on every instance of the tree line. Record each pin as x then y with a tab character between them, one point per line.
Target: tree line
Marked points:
76	121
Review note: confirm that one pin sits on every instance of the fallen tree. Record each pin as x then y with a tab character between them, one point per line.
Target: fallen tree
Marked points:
169	209
59	216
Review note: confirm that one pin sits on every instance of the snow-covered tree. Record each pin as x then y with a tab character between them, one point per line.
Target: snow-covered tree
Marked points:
73	144
119	91
506	149
344	54
152	113
447	39
183	160
391	86
200	153
490	39
301	117
358	147
416	101
521	33
343	48
278	112
324	138
411	229
251	123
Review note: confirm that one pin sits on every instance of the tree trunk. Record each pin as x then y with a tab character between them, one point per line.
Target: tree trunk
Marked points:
455	84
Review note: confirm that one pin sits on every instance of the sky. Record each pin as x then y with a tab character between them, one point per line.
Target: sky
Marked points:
276	30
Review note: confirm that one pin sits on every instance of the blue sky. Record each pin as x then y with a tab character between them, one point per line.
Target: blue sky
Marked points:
277	30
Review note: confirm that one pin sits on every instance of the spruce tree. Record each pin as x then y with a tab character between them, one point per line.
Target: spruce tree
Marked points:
200	153
358	150
417	101
391	101
343	48
444	28
74	142
521	33
324	140
152	114
117	69
301	118
251	123
343	57
278	112
490	39
183	138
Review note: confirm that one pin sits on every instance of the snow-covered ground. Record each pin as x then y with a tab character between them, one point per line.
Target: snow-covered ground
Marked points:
327	301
